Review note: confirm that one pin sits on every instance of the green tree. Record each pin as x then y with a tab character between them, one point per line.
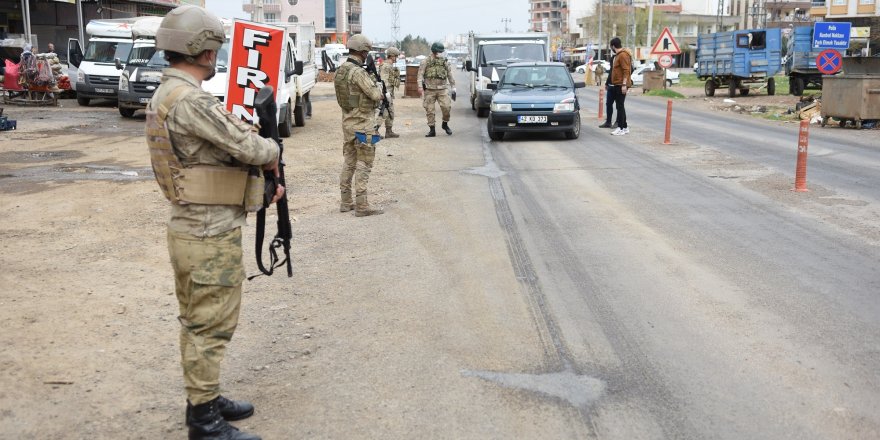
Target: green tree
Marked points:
414	46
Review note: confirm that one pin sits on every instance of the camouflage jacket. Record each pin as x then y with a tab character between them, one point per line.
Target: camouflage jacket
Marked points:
435	83
361	117
391	75
204	133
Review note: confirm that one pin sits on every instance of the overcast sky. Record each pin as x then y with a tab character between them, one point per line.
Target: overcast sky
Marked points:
432	19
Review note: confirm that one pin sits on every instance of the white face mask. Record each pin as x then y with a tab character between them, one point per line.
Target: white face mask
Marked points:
212	66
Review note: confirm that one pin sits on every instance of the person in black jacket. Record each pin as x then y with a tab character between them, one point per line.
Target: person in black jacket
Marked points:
609	99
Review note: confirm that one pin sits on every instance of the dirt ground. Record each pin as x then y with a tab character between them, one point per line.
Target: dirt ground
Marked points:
365	341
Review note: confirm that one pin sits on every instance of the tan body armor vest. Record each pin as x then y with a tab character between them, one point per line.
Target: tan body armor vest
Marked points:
198	184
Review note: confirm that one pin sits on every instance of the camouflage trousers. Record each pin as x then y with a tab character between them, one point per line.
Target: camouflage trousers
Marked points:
208	273
357	164
389	114
437	95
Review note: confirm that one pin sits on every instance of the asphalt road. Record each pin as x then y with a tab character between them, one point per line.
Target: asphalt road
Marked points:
683	291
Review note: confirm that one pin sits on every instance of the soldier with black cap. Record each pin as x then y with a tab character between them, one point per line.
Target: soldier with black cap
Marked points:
201	156
435	77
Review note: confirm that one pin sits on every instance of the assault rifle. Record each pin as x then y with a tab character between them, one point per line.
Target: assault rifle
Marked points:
371	69
265	107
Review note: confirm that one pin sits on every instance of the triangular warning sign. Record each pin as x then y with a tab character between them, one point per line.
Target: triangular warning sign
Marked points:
665	44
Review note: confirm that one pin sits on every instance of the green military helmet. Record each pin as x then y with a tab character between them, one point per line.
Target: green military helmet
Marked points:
190	30
437	48
392	52
359	43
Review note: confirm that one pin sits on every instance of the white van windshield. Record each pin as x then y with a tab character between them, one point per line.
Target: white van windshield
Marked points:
106	51
147	56
501	54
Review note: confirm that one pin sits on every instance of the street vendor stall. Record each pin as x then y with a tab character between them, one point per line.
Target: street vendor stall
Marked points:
36	79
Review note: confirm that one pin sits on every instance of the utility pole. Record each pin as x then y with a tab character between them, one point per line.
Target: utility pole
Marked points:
395	20
505	21
26	15
79	21
257	15
648	40
601	39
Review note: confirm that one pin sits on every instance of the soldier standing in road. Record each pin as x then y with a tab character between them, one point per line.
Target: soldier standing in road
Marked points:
358	95
390	74
435	76
201	155
600	71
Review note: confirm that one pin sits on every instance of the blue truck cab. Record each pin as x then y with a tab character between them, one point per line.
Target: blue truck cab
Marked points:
739	60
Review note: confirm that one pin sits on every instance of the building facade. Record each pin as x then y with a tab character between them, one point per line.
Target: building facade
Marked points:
549	16
334	20
55	21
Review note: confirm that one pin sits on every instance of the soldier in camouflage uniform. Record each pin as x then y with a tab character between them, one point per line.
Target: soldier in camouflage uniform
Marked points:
435	76
204	240
390	74
358	95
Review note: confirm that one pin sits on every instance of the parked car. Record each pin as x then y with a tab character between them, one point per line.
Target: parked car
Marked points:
535	97
592	65
672	77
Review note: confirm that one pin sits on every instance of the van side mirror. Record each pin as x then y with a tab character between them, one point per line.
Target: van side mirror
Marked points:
492	86
298	67
118	64
469	65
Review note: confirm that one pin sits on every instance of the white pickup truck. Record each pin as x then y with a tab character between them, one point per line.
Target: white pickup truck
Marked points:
294	102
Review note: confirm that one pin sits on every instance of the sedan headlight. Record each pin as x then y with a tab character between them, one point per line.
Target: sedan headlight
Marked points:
496	107
123	83
567	105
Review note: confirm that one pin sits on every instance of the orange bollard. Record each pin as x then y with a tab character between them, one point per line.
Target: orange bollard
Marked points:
800	174
668	122
601	103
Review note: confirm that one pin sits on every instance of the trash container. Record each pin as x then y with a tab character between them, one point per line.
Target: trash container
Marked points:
653	80
411	86
853	95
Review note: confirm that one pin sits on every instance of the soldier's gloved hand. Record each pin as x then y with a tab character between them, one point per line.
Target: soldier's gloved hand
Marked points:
387	96
454	94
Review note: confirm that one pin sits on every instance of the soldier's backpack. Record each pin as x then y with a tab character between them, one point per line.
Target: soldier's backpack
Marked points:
436	68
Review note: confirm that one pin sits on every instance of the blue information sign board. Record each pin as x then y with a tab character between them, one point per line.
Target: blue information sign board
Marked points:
828	35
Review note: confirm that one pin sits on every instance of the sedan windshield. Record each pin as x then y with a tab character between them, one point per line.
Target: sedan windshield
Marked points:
536	76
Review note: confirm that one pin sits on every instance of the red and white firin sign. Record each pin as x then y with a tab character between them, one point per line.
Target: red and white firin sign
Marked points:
254	62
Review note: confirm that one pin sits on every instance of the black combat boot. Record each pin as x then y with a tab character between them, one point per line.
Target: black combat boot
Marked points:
446	128
431	133
206	423
233	410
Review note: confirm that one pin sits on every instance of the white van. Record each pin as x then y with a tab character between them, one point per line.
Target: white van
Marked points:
140	74
93	74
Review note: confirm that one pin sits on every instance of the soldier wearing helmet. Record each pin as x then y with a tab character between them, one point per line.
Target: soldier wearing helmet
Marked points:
390	74
435	77
201	156
358	95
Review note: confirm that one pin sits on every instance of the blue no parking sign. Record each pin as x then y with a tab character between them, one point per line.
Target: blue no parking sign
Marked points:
828	35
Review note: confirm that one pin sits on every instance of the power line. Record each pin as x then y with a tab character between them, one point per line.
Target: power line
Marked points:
395	20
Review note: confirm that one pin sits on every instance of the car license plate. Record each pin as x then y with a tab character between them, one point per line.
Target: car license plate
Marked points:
104	90
144	100
531	119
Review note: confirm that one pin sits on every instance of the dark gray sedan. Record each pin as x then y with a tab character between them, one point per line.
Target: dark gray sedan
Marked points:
535	97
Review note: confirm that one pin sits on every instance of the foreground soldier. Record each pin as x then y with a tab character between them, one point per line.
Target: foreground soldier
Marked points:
435	76
201	164
390	74
358	96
